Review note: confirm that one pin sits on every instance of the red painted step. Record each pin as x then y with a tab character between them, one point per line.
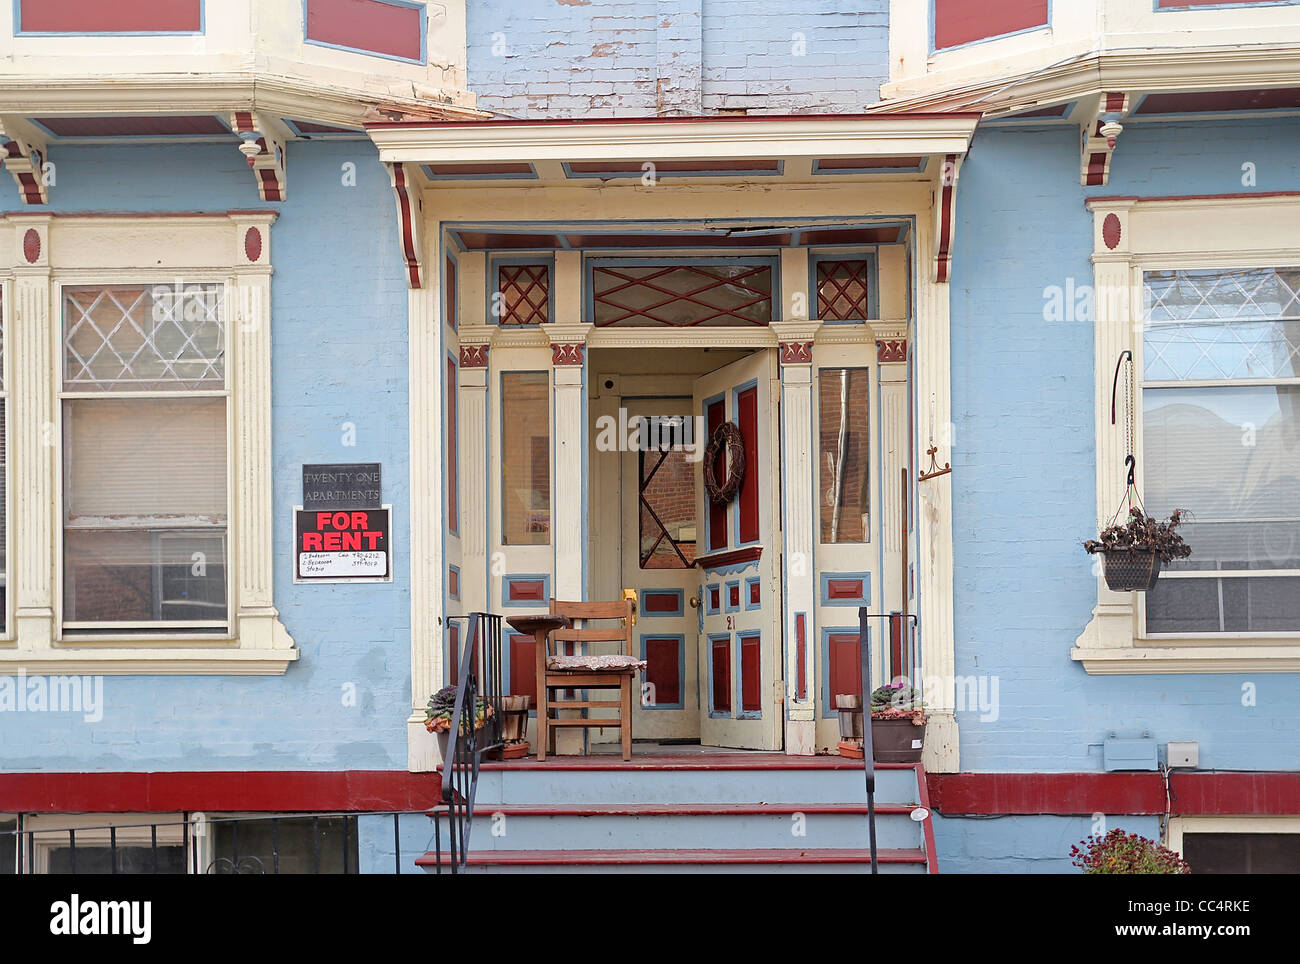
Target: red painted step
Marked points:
695	761
589	858
681	809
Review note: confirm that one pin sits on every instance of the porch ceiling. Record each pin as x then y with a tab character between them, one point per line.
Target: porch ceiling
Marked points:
726	148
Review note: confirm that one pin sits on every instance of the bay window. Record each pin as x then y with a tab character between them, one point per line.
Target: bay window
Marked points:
144	457
1221	438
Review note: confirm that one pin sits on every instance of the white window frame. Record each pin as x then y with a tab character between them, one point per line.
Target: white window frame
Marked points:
49	832
90	249
1178	826
1130	237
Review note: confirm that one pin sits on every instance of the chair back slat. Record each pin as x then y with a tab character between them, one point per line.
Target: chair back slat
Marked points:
585	612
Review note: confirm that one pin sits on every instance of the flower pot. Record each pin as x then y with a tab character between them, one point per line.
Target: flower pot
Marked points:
480	740
897	741
1131	570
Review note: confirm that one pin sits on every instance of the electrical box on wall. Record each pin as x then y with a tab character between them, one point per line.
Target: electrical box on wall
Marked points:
1182	754
1130	753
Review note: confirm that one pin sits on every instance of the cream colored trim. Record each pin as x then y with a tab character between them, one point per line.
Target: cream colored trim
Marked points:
1170	233
1178	826
1054	74
826	136
111	249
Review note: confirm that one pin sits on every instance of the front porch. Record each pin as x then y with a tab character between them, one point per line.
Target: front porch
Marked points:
575	283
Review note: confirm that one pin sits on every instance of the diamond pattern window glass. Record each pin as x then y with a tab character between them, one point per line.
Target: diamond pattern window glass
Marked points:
523	294
1221	437
682	295
1223	323
842	290
143	337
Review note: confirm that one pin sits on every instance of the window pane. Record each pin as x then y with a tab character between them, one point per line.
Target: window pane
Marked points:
252	846
525	458
143	337
524	291
667	495
144	575
1232	457
682	295
145	458
8	846
130	860
843	447
842	289
1222	323
1234	605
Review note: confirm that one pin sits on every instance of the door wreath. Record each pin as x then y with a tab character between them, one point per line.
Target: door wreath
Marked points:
728	437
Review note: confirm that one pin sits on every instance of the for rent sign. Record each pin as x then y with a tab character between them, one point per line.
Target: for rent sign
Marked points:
333	545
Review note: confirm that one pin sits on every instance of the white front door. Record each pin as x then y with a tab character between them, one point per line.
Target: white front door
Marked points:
658	484
739	563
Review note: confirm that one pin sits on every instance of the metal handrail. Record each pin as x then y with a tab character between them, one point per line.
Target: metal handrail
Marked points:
467	742
868	744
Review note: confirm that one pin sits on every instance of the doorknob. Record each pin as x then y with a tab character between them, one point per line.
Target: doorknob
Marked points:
695	602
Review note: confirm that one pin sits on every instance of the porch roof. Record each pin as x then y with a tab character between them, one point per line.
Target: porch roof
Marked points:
778	147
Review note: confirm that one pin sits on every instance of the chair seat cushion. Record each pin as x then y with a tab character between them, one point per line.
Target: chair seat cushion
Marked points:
611	663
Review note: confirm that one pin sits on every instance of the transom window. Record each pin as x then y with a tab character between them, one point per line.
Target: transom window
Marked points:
843	290
523	294
682	294
1221	438
144	458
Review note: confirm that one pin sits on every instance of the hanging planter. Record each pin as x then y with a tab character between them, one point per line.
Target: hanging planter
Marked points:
1136	551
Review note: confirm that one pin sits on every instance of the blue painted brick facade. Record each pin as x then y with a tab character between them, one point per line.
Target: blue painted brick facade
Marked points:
339	351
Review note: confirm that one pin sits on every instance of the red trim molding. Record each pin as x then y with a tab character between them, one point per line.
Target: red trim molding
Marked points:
257	790
733	557
408	219
1192	794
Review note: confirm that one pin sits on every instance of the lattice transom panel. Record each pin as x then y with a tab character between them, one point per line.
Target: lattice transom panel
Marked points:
1220	324
682	295
842	290
144	337
523	294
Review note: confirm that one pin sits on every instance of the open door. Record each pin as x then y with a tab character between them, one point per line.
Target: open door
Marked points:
739	563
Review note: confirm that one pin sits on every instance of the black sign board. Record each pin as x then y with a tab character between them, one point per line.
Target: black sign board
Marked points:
354	485
341	544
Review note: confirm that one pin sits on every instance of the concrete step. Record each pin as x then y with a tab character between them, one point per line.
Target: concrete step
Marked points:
689	826
702	861
513	784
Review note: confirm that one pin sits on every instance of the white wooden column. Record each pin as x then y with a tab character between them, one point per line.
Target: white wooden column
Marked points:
249	322
34	417
799	491
1117	312
934	559
424	320
891	368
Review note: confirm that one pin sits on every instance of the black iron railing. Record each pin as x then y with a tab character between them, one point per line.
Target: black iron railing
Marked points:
899	623
195	843
475	731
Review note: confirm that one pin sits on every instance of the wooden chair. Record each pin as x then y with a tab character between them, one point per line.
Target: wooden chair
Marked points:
586	670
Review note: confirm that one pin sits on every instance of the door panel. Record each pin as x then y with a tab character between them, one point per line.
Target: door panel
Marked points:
659	548
740	571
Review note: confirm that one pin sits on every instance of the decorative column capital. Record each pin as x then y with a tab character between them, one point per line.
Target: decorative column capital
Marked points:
889	350
474	356
568	343
795	340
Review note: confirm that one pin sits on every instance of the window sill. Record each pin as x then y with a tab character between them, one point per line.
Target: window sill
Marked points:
1192	656
166	659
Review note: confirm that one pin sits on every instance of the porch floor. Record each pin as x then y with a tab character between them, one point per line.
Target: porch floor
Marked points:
652	755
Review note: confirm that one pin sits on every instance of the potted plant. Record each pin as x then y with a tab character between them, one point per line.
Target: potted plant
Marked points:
438	714
897	724
1126	853
1135	551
